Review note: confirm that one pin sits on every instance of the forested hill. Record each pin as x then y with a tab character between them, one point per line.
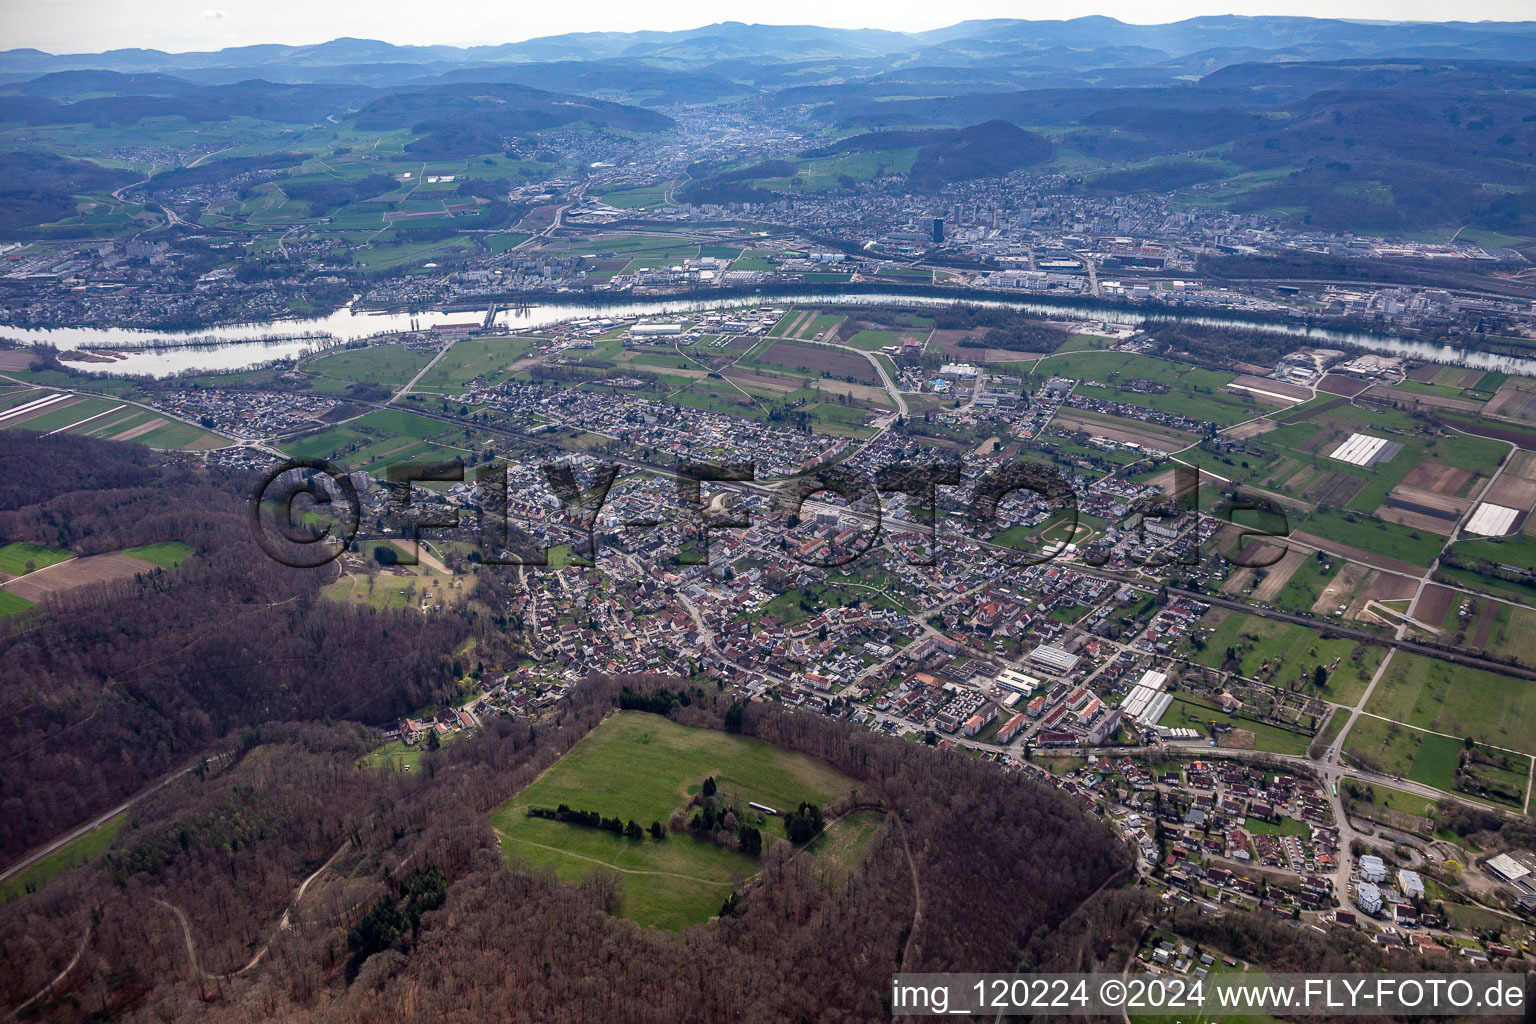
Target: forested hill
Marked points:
987	150
971	870
992	860
991	149
132	679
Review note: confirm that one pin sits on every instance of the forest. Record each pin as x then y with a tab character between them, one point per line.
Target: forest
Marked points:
113	685
183	917
414	913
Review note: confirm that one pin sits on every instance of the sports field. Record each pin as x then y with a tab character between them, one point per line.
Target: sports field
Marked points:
640	766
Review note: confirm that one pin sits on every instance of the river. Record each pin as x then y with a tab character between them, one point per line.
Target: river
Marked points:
244	345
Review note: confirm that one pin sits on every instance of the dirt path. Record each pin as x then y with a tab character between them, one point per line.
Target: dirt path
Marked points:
284	921
917	895
282	924
614	867
40	993
186	931
424	371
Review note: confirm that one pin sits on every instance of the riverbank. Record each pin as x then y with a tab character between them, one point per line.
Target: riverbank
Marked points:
242	346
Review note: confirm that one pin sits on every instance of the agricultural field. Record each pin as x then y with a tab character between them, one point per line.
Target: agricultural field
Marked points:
10	604
1296	583
1459	701
78	572
1373	541
20	557
642	767
105	418
335	156
485	359
1192	391
874	341
1517	550
383	437
1286	655
818	359
1408	753
167	554
1512	634
1395	514
387	365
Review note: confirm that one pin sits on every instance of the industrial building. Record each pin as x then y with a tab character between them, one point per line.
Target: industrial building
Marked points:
1148	701
1054	658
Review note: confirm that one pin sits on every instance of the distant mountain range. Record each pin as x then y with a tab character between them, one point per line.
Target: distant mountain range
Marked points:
1379	126
1197	44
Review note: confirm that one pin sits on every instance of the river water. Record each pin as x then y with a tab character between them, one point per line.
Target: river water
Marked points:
245	345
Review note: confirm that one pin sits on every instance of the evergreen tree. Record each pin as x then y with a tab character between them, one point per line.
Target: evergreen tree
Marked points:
733	717
802	824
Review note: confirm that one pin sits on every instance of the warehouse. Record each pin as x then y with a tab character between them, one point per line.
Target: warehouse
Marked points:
650	330
1054	658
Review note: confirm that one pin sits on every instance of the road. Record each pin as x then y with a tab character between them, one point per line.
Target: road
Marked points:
1091	267
555	222
885	378
406	388
96	822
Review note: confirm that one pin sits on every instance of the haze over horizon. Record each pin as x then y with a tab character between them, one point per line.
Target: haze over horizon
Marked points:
87	26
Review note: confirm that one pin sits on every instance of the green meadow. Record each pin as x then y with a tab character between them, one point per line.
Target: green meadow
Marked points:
640	766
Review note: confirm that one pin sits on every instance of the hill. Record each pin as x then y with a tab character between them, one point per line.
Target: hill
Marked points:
641	767
814	937
1094	41
987	150
463	119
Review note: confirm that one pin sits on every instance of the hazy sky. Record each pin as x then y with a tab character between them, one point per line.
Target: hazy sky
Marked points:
74	26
